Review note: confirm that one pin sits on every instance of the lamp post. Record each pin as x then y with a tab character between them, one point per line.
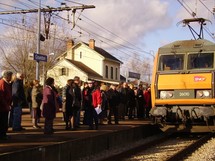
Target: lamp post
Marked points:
38	39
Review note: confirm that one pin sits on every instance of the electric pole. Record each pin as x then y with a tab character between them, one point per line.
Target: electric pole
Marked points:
38	39
46	10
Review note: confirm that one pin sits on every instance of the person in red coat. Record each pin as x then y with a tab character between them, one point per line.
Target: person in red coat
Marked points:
96	102
96	96
49	106
148	104
5	102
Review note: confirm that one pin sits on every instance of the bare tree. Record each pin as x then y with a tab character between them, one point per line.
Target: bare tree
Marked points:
17	45
139	65
15	48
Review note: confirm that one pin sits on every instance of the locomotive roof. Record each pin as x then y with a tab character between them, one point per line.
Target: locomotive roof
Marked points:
188	45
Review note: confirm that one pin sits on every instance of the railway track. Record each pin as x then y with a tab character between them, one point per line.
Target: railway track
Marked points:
190	148
167	147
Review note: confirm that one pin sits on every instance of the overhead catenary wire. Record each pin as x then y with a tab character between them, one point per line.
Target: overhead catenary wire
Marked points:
15	7
24	4
111	46
97	35
107	40
187	9
90	32
122	39
206	7
115	43
106	30
74	2
131	45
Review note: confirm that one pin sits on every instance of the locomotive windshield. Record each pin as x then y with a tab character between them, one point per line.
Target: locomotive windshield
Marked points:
200	60
171	62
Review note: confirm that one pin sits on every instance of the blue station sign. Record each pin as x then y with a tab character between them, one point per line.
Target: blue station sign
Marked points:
40	57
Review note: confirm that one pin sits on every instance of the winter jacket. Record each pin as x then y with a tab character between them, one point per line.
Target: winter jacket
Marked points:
96	98
36	97
147	97
5	96
49	103
113	97
18	94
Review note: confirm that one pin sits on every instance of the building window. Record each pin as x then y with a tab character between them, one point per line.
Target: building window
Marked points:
111	72
116	76
106	71
64	71
80	54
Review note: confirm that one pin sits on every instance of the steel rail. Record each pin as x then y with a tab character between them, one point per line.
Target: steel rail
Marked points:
191	148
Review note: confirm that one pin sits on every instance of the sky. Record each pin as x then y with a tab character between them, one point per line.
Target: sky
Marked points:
125	27
148	24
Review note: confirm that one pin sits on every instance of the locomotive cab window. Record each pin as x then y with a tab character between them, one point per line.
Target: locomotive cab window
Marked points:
200	60
171	62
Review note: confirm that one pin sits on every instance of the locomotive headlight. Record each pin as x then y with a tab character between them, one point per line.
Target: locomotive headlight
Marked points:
163	94
166	94
203	94
206	93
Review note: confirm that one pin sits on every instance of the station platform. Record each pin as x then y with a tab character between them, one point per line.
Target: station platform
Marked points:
66	145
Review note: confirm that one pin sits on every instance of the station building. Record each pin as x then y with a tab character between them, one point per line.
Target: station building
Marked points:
87	61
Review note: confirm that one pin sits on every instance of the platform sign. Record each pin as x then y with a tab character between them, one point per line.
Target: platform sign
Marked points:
40	57
134	75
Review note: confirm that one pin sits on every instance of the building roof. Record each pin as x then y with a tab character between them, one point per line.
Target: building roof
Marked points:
86	69
104	53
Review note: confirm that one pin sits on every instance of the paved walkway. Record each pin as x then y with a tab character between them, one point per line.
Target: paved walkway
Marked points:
34	137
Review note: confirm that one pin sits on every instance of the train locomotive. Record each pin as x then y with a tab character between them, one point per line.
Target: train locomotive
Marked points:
183	83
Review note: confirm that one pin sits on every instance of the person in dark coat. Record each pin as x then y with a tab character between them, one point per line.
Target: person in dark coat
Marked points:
5	102
76	104
86	103
67	96
131	101
114	100
19	101
49	106
123	107
140	103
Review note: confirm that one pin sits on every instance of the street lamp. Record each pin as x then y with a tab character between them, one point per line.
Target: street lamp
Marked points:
38	39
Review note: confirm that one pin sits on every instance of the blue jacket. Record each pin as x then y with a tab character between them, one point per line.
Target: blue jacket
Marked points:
18	94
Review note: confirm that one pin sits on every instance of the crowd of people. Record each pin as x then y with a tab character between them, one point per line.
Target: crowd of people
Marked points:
97	100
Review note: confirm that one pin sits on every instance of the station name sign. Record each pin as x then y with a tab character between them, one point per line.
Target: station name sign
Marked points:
133	75
40	57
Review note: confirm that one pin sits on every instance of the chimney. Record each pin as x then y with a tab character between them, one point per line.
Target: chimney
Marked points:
92	43
69	44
